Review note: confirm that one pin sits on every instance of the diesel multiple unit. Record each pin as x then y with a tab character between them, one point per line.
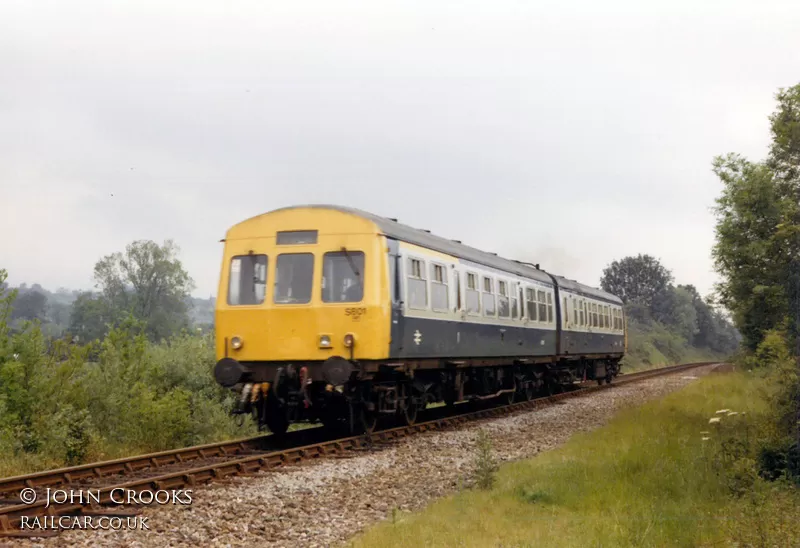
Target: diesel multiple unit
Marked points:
331	314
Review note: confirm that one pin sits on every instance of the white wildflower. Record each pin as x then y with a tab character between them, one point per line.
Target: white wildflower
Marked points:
722	411
712	420
706	438
732	413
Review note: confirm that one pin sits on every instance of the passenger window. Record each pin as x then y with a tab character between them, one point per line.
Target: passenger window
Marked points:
488	298
439	295
530	302
417	285
457	278
542	306
575	312
472	297
549	308
502	300
515	312
343	277
247	283
294	273
580	313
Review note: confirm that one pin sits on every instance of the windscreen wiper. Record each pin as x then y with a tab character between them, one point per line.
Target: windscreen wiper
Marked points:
352	265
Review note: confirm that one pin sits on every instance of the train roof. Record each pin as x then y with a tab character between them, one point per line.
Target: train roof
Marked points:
587	291
394	229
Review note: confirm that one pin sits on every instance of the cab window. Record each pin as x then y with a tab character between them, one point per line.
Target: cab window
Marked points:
248	279
293	275
343	277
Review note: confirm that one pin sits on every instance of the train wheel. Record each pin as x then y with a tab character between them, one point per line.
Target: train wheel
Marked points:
530	391
410	413
511	396
600	381
277	423
368	419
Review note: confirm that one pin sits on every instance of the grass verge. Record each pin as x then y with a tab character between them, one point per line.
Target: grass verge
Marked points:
648	478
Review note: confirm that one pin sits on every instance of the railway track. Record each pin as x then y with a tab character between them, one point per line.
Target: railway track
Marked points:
192	466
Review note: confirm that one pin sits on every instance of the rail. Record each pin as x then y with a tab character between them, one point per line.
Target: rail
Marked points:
191	466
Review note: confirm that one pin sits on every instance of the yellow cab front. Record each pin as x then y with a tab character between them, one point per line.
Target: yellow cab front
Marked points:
303	285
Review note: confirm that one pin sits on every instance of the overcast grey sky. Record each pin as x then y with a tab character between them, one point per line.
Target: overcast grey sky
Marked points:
565	133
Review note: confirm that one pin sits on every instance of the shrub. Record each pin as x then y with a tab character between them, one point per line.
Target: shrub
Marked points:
485	466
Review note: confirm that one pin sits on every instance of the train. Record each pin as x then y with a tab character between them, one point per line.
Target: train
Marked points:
328	314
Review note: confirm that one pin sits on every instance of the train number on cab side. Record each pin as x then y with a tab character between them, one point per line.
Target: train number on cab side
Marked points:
355	313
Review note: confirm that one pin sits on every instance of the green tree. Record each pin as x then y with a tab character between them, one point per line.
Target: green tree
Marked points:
148	282
757	252
784	152
31	305
7	297
675	308
90	318
58	313
636	279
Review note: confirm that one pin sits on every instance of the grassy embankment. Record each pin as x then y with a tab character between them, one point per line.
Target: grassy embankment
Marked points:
646	479
655	346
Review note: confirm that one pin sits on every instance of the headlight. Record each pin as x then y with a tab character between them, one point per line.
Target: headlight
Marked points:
236	343
324	341
349	340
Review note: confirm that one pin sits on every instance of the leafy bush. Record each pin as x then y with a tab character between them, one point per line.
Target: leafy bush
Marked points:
63	403
485	466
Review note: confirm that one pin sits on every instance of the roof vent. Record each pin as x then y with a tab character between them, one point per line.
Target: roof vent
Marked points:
457	241
423	230
392	219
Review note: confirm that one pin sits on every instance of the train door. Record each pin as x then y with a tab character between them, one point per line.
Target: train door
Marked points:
396	291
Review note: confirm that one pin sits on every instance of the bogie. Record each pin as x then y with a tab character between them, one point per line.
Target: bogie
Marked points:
359	405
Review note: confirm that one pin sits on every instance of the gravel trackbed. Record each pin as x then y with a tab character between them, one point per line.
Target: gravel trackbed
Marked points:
325	502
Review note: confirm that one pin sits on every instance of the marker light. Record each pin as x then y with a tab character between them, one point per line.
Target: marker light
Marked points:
349	340
324	341
236	343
